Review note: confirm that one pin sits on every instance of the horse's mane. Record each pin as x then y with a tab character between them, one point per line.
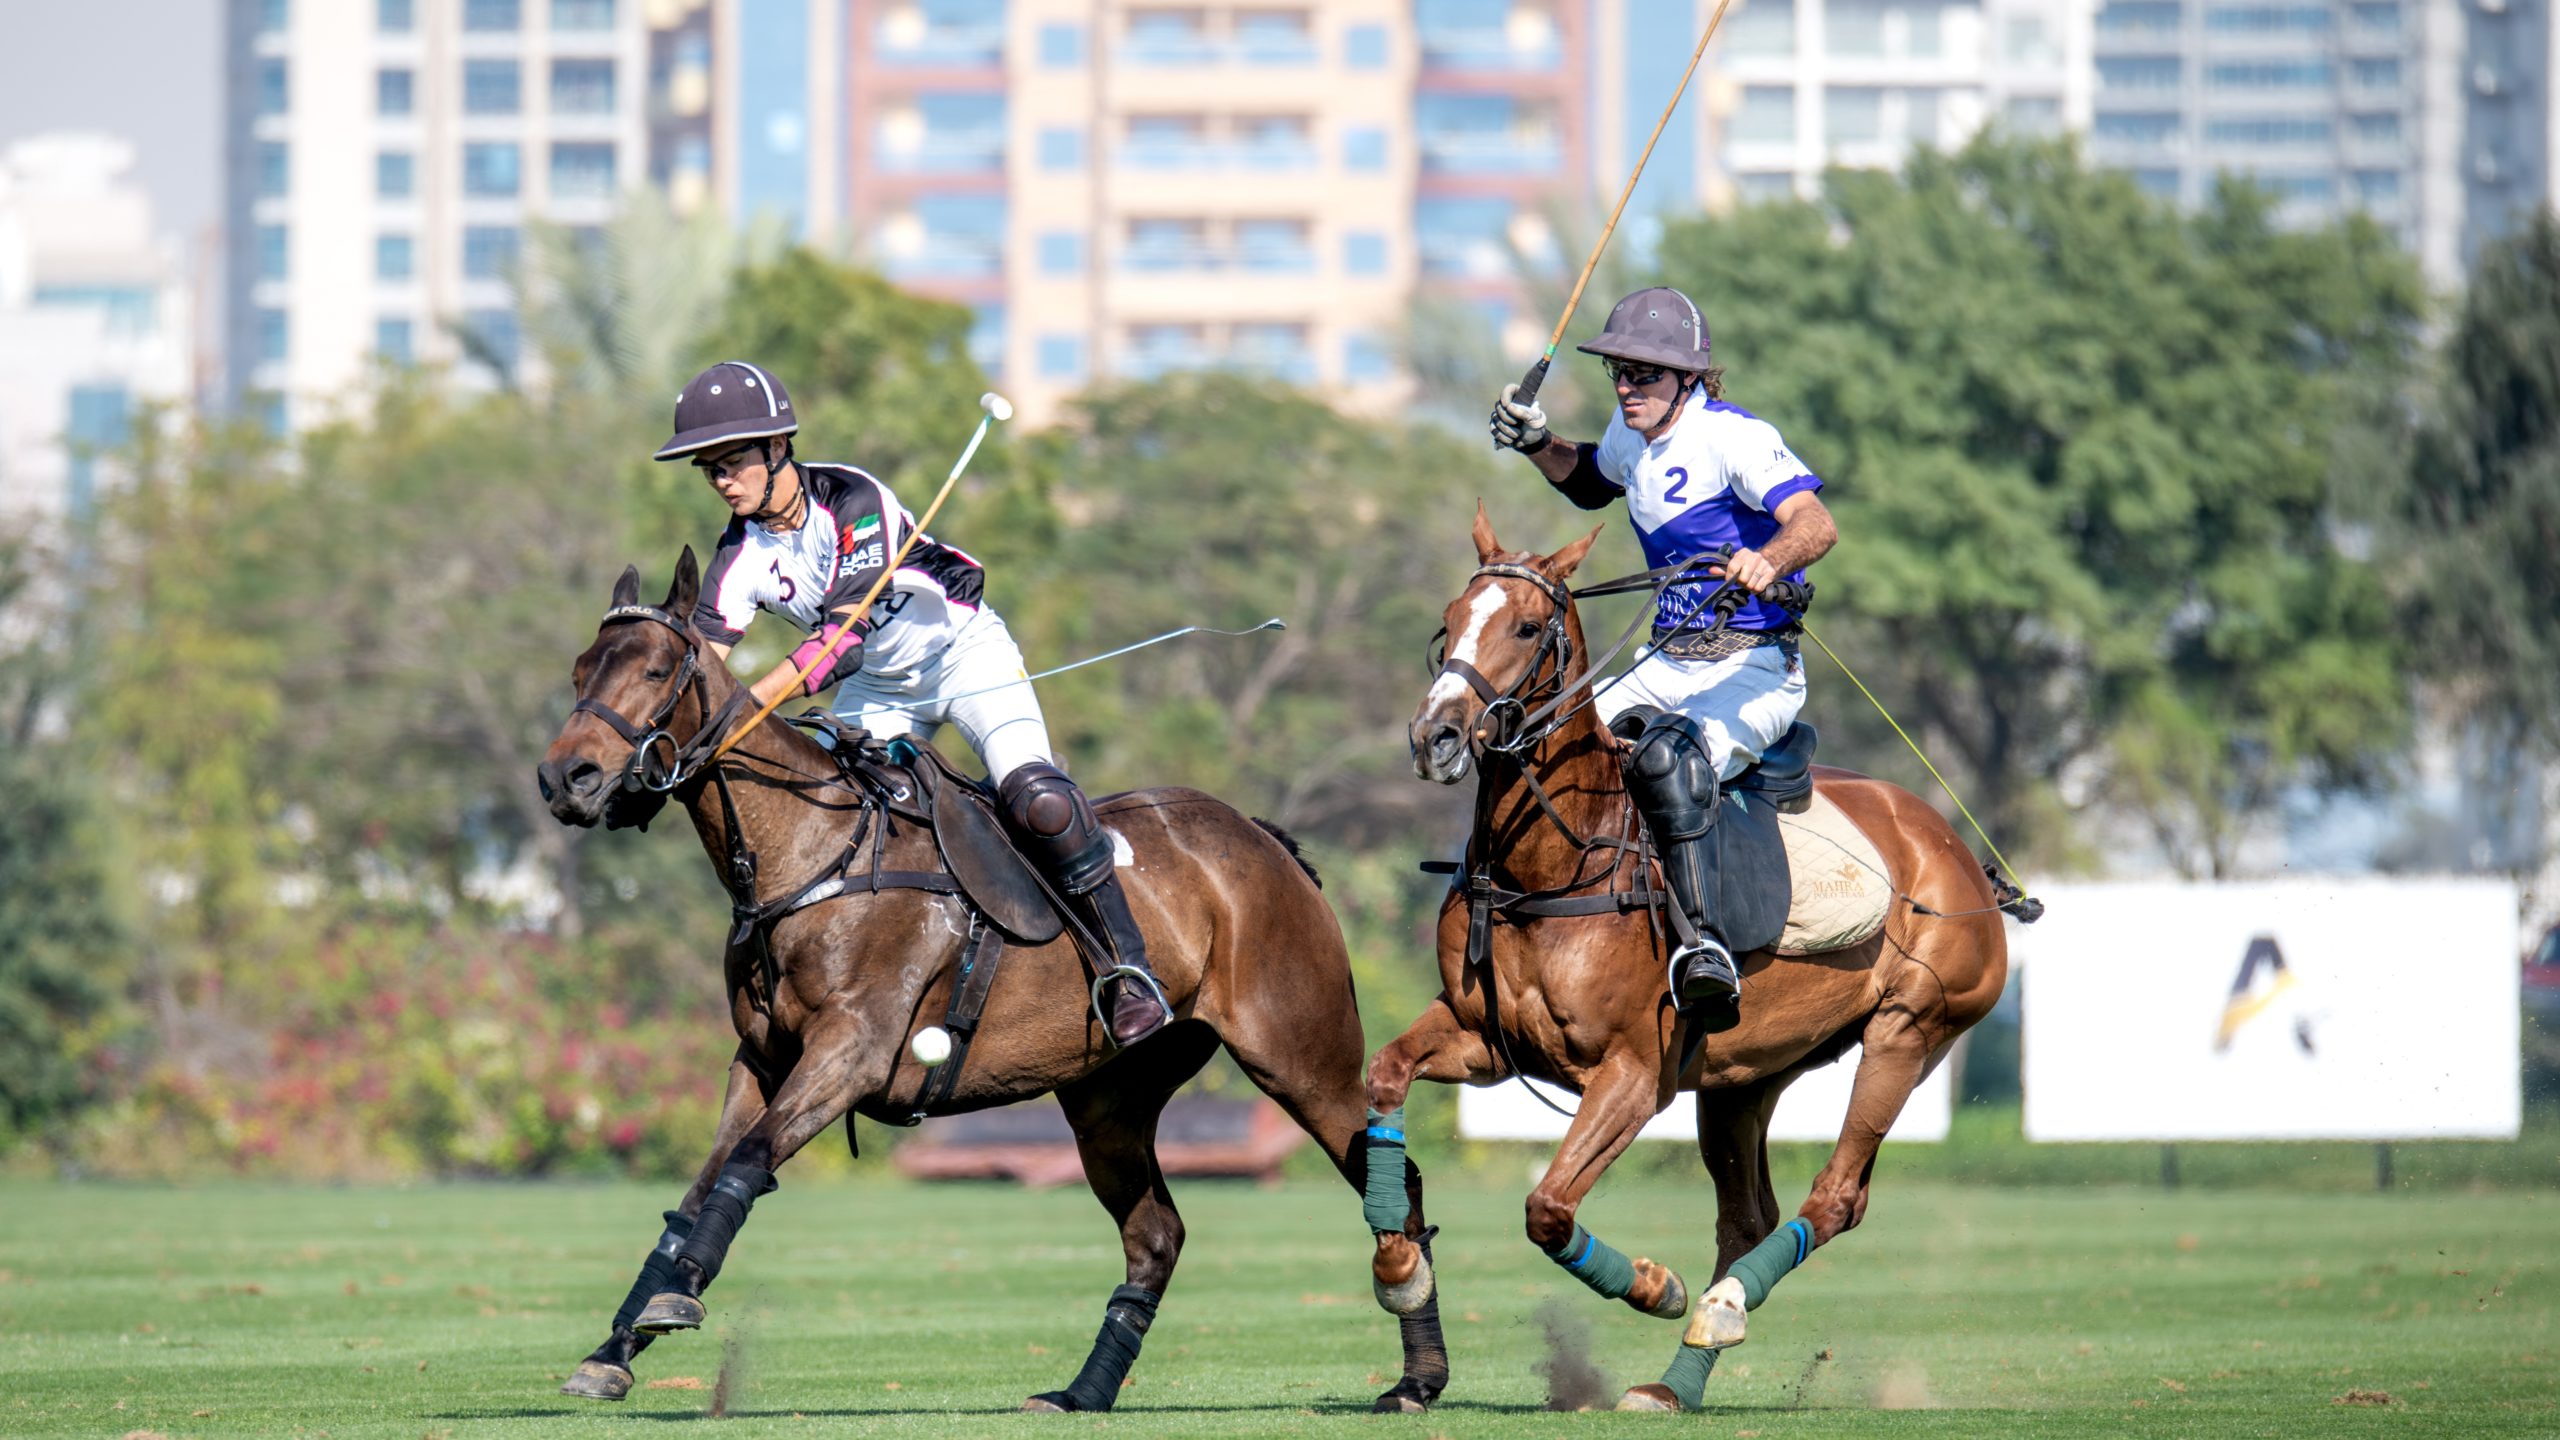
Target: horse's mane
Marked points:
1289	843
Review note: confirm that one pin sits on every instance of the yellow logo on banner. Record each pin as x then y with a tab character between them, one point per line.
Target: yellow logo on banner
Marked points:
2264	979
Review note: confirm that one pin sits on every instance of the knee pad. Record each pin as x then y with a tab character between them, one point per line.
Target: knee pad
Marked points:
1667	771
1054	815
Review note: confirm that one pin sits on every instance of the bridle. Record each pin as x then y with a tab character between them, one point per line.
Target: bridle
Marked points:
1504	725
658	763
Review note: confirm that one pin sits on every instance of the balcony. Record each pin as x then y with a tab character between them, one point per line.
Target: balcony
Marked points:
1189	52
1268	156
1478	152
950	47
964	153
1197	257
1490	50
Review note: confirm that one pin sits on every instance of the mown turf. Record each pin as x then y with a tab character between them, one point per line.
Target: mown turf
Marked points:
878	1308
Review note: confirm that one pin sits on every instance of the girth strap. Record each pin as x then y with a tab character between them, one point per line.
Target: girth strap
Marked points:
977	977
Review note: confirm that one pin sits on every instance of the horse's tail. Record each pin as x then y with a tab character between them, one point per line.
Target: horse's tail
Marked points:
1289	843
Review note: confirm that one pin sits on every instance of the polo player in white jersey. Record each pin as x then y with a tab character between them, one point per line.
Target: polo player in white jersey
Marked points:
1697	474
807	541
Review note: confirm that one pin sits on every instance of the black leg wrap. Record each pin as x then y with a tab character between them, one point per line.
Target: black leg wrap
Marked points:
723	1211
1426	1351
1115	1349
657	1274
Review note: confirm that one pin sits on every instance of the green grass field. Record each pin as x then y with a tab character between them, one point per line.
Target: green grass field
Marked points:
882	1308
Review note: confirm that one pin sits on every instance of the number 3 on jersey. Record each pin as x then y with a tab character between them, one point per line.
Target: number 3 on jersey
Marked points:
1679	477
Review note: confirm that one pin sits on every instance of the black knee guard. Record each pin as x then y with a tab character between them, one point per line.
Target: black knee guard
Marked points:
658	1272
723	1211
1058	821
1673	784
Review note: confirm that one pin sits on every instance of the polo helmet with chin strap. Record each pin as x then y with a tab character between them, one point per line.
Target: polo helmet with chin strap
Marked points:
1659	326
730	402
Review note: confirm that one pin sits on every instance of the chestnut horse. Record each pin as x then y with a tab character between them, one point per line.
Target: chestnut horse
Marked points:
826	1001
1579	1000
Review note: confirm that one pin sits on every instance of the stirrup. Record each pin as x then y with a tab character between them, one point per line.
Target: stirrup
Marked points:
1154	986
1705	947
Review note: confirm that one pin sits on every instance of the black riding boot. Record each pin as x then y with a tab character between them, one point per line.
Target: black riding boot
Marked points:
1674	787
1076	851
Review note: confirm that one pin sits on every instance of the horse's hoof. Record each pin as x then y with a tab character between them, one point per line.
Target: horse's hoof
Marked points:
1055	1402
1719	1319
1670	1297
1649	1397
1409	1294
669	1312
595	1380
1399	1402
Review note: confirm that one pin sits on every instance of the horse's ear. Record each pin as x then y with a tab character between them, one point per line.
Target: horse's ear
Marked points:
626	591
1563	563
687	587
1486	546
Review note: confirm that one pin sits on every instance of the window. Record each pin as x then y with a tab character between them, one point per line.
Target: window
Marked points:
275	170
1364	147
2028	42
582	87
1766	116
1852	114
1920	116
491	15
2159	184
1061	148
492	87
1061	252
2375	129
1760	187
2375	74
395	17
394	92
2269	74
1920	29
2375	18
2034	114
271	331
273	16
495	332
395	175
272	254
1062	47
1854	27
2315	188
273	92
101	419
491	168
2138	72
395	256
1364	47
581	171
1365	357
2146	127
2139	17
2266	130
1364	252
1062	357
395	339
270	412
2377	187
1763	27
488	251
581	14
2268	19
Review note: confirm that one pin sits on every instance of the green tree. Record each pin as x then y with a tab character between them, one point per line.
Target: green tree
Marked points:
2081	450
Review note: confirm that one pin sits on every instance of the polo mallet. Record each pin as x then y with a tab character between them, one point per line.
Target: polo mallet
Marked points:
997	408
1537	375
1274	623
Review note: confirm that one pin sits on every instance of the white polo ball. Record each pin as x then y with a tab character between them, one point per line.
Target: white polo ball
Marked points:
931	1046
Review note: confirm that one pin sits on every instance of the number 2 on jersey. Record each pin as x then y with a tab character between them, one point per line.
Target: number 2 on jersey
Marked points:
1679	481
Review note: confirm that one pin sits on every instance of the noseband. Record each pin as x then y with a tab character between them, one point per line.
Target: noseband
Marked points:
658	764
1506	711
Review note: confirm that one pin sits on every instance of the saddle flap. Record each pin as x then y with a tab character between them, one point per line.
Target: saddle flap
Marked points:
1784	773
1749	873
992	873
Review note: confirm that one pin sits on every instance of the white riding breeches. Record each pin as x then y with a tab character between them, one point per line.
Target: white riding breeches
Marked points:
1003	725
1741	703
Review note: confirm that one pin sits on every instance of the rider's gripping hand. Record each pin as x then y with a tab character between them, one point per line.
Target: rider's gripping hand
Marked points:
1517	426
1749	569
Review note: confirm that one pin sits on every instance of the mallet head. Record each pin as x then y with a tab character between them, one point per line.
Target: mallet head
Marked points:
996	405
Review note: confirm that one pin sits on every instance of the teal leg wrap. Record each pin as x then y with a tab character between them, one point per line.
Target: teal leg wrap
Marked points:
1596	1263
1771	1259
1687	1377
1383	1200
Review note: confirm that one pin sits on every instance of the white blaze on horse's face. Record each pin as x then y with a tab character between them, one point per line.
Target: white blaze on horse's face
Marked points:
1438	737
1488	603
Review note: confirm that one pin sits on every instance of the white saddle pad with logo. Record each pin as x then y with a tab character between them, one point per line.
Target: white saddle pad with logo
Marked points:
1839	880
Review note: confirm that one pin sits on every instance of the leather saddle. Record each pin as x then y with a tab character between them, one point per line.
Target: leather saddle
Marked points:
1748	861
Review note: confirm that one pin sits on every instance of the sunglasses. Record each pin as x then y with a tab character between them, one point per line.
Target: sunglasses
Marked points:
1623	373
735	462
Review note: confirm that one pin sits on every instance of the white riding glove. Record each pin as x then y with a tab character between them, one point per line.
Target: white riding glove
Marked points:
1517	426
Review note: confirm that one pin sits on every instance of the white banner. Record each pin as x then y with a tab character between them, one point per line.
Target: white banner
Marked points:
2363	1008
1812	1109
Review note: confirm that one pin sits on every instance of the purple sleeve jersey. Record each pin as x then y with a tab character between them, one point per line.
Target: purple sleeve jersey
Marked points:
1716	479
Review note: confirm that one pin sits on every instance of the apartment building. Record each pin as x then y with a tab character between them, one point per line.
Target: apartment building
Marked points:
384	157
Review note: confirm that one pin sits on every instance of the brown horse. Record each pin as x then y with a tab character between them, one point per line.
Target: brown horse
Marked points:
1579	1000
828	997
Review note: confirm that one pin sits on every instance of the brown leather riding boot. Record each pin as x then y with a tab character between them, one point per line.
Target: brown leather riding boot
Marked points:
1136	997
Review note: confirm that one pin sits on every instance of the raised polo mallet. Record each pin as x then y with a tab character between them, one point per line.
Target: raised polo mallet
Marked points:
996	408
1537	375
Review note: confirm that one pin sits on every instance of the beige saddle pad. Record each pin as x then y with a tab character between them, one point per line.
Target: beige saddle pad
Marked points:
1840	887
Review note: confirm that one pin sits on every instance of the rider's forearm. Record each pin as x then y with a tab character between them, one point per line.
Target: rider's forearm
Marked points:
1574	470
1801	541
778	683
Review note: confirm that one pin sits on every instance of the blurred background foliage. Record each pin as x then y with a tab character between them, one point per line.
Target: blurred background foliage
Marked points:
2148	517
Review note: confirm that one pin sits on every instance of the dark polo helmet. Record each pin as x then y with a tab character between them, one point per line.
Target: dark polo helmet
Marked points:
1659	326
729	402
